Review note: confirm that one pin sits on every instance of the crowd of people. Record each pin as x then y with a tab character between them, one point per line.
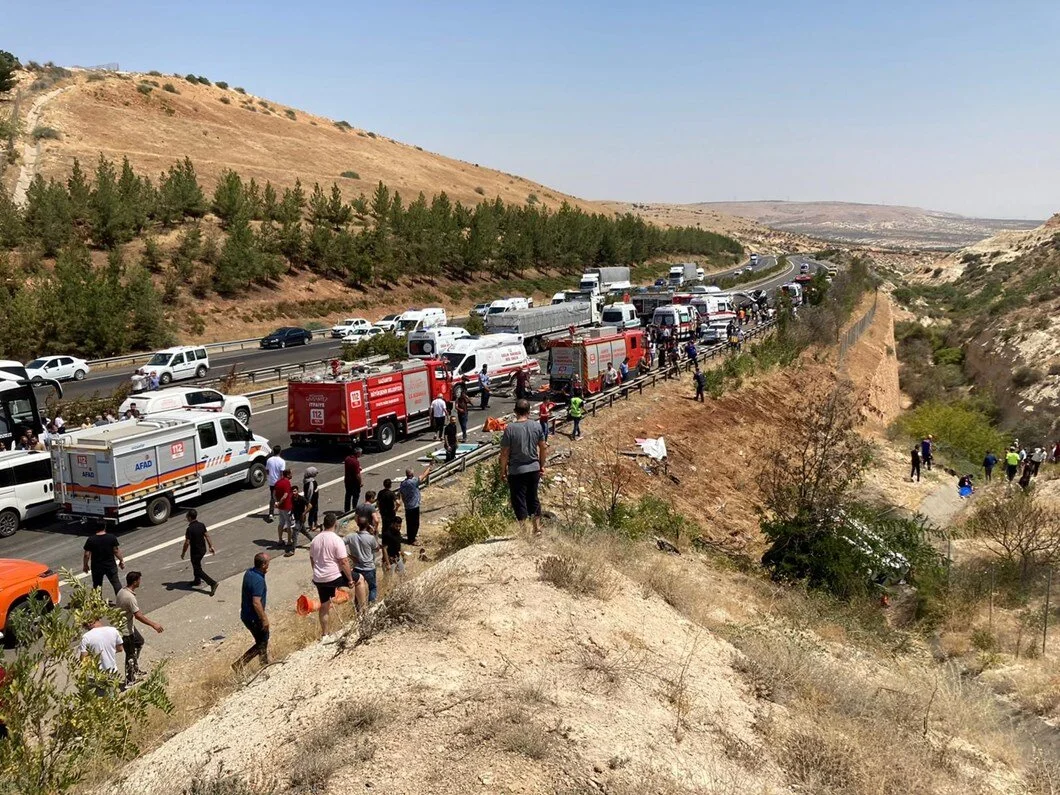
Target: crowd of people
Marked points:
1020	464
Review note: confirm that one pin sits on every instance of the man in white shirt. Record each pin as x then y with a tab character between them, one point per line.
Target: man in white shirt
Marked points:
274	467
104	644
439	411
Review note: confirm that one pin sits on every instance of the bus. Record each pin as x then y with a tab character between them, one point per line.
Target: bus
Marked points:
18	405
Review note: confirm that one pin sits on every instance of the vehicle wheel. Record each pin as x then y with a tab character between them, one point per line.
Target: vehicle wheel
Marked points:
37	380
165	378
243	415
201	372
79	375
283	343
32	632
385	435
159	509
305	340
256	476
9	522
531	345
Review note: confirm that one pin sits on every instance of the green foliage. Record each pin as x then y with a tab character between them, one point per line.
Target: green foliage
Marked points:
240	90
8	65
44	133
1026	376
67	717
389	345
480	191
350	175
144	89
475	325
155	73
225	101
963	431
203	81
172	89
486	513
290	114
344	125
221	84
191	78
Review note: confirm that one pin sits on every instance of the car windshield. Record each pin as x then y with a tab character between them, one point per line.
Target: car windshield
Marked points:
408	325
496	310
612	314
159	359
36	364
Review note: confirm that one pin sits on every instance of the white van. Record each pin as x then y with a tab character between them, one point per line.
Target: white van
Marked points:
432	341
173	364
26	488
178	398
420	319
700	274
621	316
681	321
503	360
559	298
502	305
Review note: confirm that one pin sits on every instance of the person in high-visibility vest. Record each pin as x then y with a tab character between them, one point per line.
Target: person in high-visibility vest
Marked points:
1012	463
576	410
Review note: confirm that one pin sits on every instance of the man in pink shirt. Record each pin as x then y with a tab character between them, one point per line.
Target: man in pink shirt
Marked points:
331	567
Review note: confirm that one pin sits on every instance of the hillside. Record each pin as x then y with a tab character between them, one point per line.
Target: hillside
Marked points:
869	224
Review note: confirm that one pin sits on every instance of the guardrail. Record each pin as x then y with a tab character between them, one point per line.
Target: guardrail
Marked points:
221	347
604	400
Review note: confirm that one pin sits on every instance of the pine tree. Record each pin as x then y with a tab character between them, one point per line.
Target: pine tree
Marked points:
187	251
229	197
109	217
136	196
8	64
270	210
292	241
148	326
80	195
239	263
47	215
151	258
318	206
338	212
12	228
252	198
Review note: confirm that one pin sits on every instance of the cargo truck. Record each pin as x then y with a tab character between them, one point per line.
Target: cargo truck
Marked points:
367	404
537	324
604	280
135	468
586	355
684	272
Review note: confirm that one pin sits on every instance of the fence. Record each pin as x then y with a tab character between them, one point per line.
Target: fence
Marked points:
850	337
221	347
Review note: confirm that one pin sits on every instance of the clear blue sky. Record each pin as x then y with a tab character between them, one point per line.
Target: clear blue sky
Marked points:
942	104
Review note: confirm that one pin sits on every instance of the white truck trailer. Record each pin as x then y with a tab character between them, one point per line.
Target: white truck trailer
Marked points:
536	324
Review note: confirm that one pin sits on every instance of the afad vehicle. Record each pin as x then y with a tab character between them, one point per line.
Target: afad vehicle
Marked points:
376	404
587	354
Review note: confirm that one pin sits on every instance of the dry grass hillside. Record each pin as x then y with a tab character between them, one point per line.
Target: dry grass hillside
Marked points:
226	129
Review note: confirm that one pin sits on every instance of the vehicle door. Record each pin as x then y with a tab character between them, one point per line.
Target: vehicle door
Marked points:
178	366
54	368
8	495
65	368
212	454
237	440
34	487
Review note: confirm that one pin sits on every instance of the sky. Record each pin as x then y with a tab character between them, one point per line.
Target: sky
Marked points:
938	104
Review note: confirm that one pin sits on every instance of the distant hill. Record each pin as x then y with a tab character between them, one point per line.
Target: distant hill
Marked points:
870	224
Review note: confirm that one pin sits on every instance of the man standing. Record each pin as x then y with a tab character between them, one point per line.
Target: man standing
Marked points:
1037	459
450	439
914	465
439	411
311	492
544	415
523	452
387	502
361	547
989	462
623	370
103	557
610	377
927	450
1012	463
274	467
522	381
198	540
463	407
132	640
331	568
576	410
700	380
410	498
252	612
352	470
299	506
103	643
484	388
284	502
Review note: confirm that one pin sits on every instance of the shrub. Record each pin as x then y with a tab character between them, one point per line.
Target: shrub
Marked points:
225	100
949	356
204	81
45	133
480	191
420	603
963	431
222	85
389	345
191	78
344	125
475	324
532	198
155	73
581	575
172	89
350	175
372	135
1026	376
240	90
144	89
94	77
290	114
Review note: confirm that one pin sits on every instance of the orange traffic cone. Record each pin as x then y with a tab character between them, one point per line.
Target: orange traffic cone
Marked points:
306	605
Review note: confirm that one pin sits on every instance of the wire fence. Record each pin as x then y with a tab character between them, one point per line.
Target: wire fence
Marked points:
849	338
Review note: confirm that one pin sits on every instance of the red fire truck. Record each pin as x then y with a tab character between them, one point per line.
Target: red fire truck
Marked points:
380	404
587	353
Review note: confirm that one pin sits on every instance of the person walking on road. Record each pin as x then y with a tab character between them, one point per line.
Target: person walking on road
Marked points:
103	558
484	388
197	540
523	454
700	380
410	498
463	407
284	502
450	439
989	462
331	568
439	412
299	509
353	480
311	492
927	451
522	384
274	467
1012	463
252	612
914	471
132	640
576	410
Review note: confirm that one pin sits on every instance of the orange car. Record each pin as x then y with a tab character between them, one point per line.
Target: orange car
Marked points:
18	580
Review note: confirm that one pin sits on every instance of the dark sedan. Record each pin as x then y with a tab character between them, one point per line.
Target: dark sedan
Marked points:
288	335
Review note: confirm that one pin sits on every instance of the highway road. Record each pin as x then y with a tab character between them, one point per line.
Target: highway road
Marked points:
236	516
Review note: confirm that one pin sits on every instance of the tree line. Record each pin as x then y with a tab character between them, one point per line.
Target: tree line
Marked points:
367	241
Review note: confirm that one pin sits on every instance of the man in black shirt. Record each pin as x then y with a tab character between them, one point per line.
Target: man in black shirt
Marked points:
386	502
103	557
450	439
198	540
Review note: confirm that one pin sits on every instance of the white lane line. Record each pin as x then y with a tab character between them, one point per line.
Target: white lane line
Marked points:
266	411
265	507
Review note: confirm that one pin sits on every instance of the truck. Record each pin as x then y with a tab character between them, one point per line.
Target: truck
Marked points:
143	467
537	324
367	403
647	302
585	355
603	280
683	272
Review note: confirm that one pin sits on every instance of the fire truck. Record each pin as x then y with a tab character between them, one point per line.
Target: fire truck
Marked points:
366	403
586	354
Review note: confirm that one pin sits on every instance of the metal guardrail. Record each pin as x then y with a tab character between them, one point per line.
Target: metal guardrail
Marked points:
221	347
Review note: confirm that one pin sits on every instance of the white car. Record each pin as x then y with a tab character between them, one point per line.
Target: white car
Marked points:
59	368
387	323
361	334
348	324
482	309
177	398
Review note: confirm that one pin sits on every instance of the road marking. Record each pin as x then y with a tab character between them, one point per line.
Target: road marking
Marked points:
266	411
265	507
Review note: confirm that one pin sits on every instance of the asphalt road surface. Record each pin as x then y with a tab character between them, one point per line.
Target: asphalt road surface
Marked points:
235	516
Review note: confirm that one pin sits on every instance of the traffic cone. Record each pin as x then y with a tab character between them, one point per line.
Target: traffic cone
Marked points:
305	605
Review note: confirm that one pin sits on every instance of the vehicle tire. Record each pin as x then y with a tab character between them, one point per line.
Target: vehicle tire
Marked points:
243	415
159	510
165	378
37	380
283	343
9	522
201	372
385	435
256	475
21	606
306	339
79	375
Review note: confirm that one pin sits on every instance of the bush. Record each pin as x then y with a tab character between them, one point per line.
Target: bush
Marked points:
191	78
350	175
949	356
344	125
240	90
290	114
372	135
204	81
144	89
45	133
963	431
389	345
225	100
222	85
155	73
480	191
475	324
580	575
172	89
1026	376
